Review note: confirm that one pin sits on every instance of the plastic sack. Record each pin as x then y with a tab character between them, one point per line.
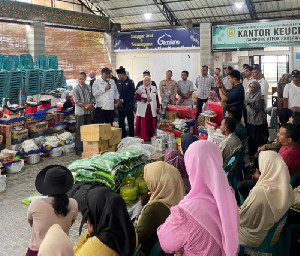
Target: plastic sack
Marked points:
129	141
15	167
65	136
2	183
39	141
146	149
51	141
7	153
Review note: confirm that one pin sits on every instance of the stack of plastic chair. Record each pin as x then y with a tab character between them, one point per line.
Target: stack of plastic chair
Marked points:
30	75
3	84
41	62
16	61
14	83
46	80
1	57
8	62
58	78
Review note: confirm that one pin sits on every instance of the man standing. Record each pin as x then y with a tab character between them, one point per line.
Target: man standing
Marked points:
105	92
217	75
185	90
204	84
226	83
83	98
235	98
168	85
257	75
111	76
145	73
126	106
248	79
291	93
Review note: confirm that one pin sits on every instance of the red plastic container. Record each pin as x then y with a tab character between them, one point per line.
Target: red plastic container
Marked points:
29	110
43	106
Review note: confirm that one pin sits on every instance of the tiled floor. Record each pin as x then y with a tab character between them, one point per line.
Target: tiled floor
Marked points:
15	231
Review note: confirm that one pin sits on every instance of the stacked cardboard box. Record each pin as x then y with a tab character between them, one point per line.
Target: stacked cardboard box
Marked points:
5	131
99	138
18	136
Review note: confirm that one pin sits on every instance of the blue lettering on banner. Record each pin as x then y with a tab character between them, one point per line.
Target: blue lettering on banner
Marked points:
157	39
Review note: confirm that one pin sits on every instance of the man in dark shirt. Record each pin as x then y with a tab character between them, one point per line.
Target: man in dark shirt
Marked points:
145	73
126	107
233	99
111	76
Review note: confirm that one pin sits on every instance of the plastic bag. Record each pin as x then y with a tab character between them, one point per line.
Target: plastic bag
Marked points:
51	141
29	145
66	137
7	153
129	141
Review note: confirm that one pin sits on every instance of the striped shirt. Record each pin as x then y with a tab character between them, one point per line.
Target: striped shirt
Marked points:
204	85
82	94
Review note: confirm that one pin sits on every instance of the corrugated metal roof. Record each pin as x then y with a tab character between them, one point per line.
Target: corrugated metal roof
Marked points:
129	13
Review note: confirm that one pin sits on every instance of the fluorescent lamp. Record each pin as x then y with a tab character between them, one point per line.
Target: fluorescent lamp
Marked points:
147	15
239	5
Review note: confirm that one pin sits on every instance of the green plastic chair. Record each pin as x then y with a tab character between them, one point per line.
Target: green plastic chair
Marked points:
136	252
289	227
156	250
265	246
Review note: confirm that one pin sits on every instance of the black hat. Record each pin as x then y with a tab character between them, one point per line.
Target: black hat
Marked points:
54	180
121	70
146	72
295	73
105	70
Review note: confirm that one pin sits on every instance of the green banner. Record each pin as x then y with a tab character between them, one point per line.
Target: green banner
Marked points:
31	12
259	34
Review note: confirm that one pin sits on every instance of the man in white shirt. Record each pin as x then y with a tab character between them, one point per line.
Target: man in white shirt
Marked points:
225	81
106	93
291	93
185	90
248	79
257	75
204	84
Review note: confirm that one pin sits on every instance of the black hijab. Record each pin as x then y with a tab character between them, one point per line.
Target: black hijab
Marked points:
186	141
112	224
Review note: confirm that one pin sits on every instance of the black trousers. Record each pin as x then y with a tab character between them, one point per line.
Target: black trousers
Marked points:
80	120
104	116
130	120
200	103
245	114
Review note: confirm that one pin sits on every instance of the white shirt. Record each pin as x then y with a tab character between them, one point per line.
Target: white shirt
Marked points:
142	106
264	90
105	99
292	92
228	86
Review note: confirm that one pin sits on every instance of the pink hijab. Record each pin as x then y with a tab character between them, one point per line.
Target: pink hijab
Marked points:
211	201
215	99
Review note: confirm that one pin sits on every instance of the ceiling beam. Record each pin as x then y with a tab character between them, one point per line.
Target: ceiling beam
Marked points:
251	8
165	10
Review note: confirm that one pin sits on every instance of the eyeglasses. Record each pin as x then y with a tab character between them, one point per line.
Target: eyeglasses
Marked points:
253	87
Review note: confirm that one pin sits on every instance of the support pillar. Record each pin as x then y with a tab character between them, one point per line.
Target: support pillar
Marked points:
109	42
35	36
206	56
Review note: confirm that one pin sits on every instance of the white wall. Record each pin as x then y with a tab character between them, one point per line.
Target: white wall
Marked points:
158	62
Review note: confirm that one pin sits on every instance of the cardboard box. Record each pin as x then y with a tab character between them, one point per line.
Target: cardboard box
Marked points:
5	131
59	117
116	136
112	148
17	137
51	122
95	132
38	129
87	155
171	115
95	147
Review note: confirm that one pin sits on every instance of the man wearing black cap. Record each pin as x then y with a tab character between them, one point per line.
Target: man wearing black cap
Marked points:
105	93
291	93
126	106
111	76
145	73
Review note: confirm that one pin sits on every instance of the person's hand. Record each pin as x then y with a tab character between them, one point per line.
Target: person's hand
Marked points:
179	253
107	87
117	102
90	106
149	99
262	148
218	82
181	100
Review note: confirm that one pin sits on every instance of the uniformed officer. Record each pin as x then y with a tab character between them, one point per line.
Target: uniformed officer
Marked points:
126	107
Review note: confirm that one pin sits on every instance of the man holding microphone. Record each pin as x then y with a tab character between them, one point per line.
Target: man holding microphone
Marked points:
105	93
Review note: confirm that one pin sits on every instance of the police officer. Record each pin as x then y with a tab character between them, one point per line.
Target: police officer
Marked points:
126	106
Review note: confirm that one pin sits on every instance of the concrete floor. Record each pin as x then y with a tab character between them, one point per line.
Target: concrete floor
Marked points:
15	232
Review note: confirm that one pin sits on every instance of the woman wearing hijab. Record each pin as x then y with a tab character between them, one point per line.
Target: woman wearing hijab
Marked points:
186	141
92	76
175	158
56	243
53	181
206	221
257	128
147	108
110	230
267	202
213	97
166	187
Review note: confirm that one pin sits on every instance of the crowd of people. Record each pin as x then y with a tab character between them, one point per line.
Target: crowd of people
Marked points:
193	207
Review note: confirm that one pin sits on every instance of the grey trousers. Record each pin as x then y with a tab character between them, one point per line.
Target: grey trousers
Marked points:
80	120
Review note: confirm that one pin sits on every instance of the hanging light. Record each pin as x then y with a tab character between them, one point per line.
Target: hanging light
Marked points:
148	14
239	5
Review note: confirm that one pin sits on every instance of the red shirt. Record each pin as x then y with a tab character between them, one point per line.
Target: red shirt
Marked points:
291	156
